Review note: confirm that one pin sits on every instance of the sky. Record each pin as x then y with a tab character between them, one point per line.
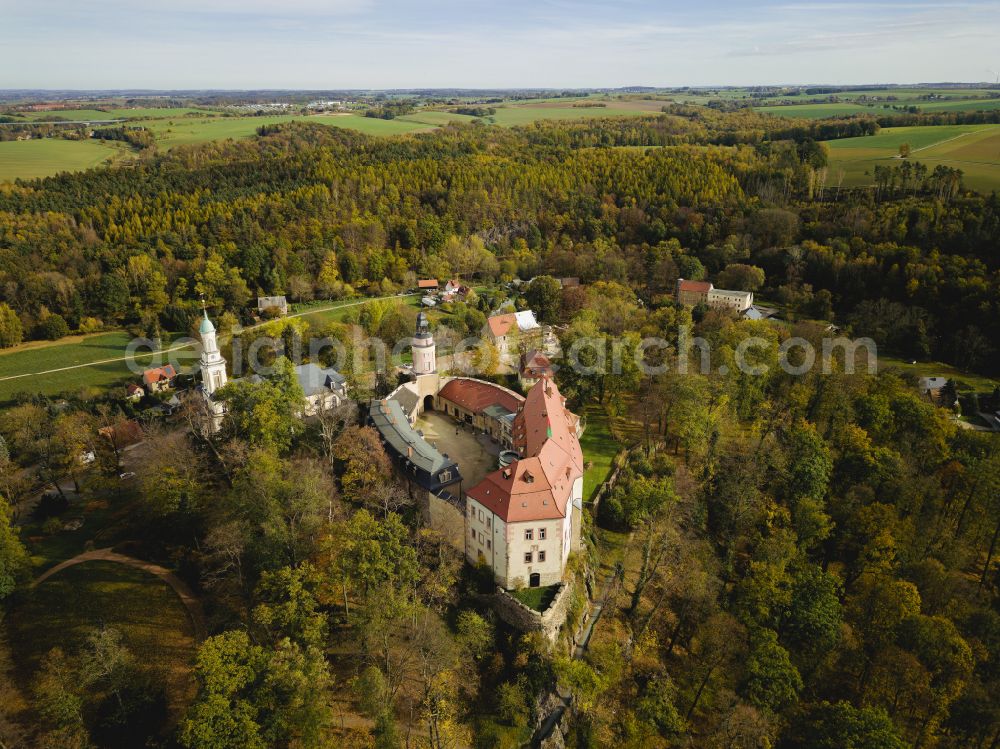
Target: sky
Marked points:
336	44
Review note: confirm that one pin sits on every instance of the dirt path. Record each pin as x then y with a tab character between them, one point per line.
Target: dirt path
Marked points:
182	346
191	603
553	719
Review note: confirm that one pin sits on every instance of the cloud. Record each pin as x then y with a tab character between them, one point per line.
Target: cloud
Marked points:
483	43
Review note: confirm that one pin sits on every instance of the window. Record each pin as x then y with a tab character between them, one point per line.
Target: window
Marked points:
445	476
529	534
473	531
489	522
541	556
527	557
472	512
489	544
480	516
541	534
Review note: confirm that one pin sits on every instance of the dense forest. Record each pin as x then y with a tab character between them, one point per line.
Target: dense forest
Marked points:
320	213
804	561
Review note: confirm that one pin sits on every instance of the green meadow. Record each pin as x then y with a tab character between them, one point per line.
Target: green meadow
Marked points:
28	159
975	149
21	363
820	111
523	114
434	118
111	113
187	131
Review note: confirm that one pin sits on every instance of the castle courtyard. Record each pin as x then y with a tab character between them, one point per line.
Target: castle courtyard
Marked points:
476	454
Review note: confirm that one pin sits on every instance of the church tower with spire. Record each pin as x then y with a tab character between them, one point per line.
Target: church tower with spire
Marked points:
213	370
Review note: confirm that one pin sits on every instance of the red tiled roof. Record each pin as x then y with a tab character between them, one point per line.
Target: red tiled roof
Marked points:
545	435
500	325
699	287
166	372
427	283
126	433
476	395
520	492
536	364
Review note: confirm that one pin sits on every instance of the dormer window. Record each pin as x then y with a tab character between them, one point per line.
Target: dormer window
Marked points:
528	477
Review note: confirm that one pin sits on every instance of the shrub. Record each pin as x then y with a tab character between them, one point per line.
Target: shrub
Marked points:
53	327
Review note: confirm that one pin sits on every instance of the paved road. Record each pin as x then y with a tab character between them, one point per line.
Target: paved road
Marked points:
182	346
191	603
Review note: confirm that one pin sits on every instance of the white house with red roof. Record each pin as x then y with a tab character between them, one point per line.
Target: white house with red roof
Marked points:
158	379
506	331
693	293
524	519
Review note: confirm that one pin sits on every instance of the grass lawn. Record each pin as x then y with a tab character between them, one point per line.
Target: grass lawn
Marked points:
65	608
599	449
536	598
611	548
30	159
964	381
975	149
327	312
40	357
103	524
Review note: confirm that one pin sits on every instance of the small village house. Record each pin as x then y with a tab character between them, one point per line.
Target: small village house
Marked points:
159	379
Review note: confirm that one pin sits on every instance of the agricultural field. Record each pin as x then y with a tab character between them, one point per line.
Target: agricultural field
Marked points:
523	114
820	111
177	127
29	159
434	118
188	131
975	149
112	113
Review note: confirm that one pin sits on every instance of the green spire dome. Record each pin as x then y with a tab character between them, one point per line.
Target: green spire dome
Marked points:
206	325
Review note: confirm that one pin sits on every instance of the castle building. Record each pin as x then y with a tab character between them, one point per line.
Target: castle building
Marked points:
523	518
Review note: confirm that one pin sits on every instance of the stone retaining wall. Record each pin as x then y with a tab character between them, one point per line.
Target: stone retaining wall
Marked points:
526	619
